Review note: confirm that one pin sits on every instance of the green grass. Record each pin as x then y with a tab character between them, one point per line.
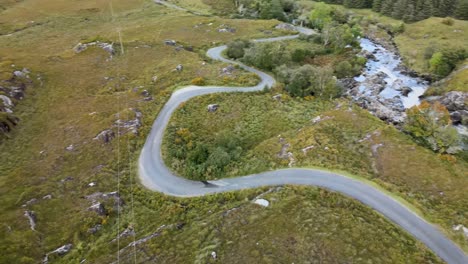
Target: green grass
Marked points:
300	224
457	81
433	184
76	102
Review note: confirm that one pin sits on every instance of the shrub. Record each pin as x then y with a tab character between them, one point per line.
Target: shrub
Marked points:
198	81
344	69
236	48
267	55
448	21
430	126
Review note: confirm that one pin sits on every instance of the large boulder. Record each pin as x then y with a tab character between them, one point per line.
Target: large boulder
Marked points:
455	100
459	117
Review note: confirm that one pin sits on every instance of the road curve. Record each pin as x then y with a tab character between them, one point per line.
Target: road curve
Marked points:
156	176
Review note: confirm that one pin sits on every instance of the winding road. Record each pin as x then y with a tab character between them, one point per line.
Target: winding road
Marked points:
157	177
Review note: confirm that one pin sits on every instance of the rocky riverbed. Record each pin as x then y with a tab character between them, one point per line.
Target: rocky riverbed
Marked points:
386	87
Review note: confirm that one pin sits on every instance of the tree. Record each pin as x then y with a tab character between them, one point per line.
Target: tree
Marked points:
309	80
267	55
409	14
438	65
377	5
320	15
430	126
461	11
270	9
323	83
387	8
399	9
236	48
344	69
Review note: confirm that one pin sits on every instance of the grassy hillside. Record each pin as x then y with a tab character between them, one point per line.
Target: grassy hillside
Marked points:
51	164
347	139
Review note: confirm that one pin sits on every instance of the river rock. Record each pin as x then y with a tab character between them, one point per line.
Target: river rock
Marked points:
455	100
459	117
368	55
406	90
213	108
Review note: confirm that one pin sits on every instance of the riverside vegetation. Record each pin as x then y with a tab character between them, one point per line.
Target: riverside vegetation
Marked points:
51	166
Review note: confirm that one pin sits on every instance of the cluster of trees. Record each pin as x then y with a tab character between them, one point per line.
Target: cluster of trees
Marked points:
301	80
411	10
430	125
308	80
270	9
203	161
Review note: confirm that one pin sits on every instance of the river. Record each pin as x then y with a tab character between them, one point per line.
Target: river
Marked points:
388	62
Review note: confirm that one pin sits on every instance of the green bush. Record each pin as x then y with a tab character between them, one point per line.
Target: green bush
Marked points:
236	49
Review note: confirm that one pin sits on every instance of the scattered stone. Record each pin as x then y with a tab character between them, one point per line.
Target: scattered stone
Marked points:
80	47
98	208
59	251
7	103
106	196
278	97
92	184
179	68
226	29
126	233
31	215
68	178
32	201
213	108
105	136
284	154
109	47
285	26
319	119
170	42
70	148
262	202
179	226
228	70
47	197
130	125
94	229
213	254
307	149
461	228
146	238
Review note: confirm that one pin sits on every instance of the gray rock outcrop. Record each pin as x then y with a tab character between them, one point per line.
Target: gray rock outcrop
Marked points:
213	108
